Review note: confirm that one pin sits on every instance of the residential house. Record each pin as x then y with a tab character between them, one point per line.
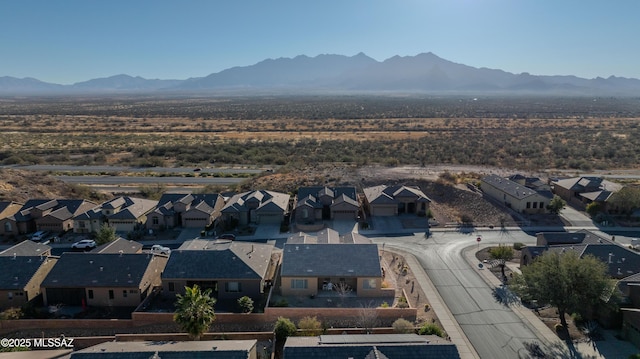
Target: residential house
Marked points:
20	278
230	269
7	209
621	262
119	245
57	216
27	248
514	195
128	214
394	200
535	183
364	346
223	349
580	191
186	210
31	216
258	207
310	268
325	203
102	279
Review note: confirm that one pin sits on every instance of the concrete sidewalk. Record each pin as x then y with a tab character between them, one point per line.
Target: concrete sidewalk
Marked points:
544	333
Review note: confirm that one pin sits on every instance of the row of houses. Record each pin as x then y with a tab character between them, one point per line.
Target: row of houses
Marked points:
530	195
119	274
126	214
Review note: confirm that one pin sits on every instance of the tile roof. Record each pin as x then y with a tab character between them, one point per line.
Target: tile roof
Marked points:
387	194
330	260
268	201
333	192
98	270
17	272
219	259
135	208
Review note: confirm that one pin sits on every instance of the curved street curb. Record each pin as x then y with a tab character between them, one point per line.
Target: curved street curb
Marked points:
449	323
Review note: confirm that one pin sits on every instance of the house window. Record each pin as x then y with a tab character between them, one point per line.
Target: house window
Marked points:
172	287
369	284
111	296
90	293
528	204
233	287
298	284
541	204
124	293
155	220
133	291
535	204
7	227
10	295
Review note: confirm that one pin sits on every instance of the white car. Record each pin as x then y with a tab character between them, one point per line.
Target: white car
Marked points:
158	249
84	244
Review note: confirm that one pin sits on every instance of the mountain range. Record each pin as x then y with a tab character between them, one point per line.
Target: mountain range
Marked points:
423	73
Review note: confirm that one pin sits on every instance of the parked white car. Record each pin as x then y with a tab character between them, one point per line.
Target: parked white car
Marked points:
158	249
39	236
84	244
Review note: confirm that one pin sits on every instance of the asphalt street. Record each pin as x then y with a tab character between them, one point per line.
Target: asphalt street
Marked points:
493	329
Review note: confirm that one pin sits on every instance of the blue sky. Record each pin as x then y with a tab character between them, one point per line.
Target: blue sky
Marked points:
68	41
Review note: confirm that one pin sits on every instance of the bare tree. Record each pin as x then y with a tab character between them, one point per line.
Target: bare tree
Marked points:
343	290
368	316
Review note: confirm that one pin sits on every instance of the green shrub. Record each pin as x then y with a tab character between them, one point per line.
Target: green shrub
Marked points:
11	314
384	305
310	326
403	326
577	318
246	304
431	329
402	302
284	328
518	246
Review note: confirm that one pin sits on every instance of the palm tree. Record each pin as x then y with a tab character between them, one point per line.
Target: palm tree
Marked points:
194	313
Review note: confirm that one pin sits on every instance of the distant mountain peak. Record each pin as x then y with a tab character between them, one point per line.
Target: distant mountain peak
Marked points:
424	72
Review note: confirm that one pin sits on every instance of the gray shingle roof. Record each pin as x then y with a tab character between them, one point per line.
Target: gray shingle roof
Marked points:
17	272
117	245
344	260
511	188
98	270
26	248
394	346
268	199
219	349
228	260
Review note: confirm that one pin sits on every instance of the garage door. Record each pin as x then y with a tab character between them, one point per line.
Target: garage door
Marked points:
344	215
383	211
269	218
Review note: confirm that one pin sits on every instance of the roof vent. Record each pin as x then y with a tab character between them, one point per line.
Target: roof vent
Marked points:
101	268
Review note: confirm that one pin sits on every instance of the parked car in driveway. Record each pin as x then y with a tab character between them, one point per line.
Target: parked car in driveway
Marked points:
84	244
229	236
158	249
39	235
